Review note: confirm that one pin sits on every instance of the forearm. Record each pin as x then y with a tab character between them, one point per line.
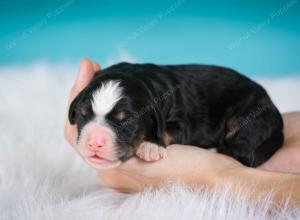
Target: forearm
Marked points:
259	184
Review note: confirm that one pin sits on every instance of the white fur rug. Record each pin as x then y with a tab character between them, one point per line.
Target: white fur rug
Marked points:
42	178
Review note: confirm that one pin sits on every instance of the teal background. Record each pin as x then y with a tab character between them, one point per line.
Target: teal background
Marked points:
258	38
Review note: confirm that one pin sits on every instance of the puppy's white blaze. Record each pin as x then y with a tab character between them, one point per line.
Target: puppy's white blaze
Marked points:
106	97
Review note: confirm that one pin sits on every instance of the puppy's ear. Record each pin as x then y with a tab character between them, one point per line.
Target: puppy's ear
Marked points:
73	111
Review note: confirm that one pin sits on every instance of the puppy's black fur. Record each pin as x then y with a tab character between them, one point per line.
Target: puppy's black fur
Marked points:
201	105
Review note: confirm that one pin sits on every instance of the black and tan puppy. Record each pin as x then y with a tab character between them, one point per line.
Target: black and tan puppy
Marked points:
140	109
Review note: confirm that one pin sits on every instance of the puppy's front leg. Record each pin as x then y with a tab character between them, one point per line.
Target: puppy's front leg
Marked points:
150	151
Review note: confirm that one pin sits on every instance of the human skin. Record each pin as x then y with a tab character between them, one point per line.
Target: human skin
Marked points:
196	167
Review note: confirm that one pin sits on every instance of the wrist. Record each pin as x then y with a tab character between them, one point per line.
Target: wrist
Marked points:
218	174
232	177
256	184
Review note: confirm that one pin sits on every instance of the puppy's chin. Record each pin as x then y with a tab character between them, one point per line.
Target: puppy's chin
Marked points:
104	166
96	161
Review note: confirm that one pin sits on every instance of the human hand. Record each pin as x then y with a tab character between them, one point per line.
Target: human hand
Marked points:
195	166
86	73
287	159
189	165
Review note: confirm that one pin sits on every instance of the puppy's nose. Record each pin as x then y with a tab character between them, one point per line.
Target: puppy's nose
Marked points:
95	144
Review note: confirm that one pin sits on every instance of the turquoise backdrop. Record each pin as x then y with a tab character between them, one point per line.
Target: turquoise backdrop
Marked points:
256	37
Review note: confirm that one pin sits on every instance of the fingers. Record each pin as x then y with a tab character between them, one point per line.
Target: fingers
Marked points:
86	73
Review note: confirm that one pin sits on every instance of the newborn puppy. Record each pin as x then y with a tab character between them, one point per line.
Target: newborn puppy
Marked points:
140	109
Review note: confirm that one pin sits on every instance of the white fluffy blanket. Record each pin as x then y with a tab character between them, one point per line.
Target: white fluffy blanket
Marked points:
42	178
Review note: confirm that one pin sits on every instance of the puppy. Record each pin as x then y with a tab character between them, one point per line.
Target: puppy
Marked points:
140	109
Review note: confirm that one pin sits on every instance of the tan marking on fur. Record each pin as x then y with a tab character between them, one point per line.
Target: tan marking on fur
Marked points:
231	128
167	138
137	143
83	110
120	115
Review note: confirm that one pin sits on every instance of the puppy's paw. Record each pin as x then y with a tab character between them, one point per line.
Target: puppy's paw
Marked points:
150	152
